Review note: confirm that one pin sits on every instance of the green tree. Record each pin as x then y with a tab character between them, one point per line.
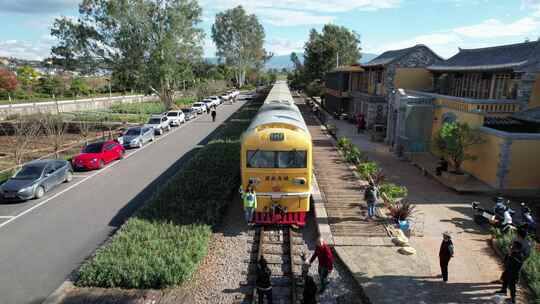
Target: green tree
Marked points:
51	85
148	44
79	87
452	142
323	50
239	39
28	78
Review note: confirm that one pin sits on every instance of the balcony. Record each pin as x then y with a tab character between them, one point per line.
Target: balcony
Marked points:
480	106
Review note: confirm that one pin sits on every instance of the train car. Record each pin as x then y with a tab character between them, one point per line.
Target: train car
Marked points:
276	157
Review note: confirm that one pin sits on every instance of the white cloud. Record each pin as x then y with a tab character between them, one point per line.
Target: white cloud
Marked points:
492	28
37	6
280	46
281	17
27	50
305	5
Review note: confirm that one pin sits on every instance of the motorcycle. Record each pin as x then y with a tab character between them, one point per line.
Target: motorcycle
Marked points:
496	216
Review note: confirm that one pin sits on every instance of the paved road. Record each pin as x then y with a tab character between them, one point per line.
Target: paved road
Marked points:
42	242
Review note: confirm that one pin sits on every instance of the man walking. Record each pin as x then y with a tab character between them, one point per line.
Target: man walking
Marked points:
446	252
512	267
214	113
263	282
326	261
250	203
371	196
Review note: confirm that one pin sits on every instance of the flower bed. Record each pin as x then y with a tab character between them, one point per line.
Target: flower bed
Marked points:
162	244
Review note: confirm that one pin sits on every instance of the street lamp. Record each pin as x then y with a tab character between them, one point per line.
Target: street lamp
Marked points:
110	92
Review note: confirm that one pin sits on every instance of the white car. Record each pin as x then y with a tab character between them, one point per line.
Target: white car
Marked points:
215	100
176	118
160	124
225	96
209	104
199	107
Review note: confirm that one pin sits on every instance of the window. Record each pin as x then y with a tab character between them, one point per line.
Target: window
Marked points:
277	159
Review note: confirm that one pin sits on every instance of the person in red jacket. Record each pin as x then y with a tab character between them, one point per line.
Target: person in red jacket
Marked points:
326	261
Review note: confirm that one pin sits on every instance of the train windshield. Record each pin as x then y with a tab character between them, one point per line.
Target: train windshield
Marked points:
277	159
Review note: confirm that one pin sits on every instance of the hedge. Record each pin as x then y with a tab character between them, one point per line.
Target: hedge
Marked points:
162	244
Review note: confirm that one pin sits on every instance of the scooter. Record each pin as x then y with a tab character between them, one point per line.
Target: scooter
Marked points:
494	218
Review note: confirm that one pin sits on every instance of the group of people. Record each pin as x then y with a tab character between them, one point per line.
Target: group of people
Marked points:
322	253
518	252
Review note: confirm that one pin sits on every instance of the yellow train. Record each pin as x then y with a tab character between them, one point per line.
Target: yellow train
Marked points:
276	157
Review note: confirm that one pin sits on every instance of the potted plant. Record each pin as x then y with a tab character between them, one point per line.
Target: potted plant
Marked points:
451	143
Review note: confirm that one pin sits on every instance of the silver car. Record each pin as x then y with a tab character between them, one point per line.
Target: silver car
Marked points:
136	137
36	178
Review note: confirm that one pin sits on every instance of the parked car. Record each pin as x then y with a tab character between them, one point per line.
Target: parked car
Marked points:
209	104
189	114
136	137
176	118
216	100
160	124
36	178
199	107
225	96
96	155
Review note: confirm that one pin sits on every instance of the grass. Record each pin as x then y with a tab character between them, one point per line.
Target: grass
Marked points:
4	176
148	108
45	99
531	268
109	117
163	243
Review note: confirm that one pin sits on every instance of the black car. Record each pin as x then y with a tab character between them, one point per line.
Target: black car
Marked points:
36	178
189	114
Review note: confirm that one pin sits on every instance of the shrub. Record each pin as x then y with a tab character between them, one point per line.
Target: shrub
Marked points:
138	108
392	191
367	169
343	143
401	211
163	243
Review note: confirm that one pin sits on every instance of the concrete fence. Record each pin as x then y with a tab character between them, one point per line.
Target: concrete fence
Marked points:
87	104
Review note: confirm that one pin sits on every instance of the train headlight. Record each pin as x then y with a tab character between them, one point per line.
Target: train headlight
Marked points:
299	181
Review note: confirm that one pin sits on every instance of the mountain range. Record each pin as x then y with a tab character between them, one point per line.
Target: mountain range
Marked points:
284	61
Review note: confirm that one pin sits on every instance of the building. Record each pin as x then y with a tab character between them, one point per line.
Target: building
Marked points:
405	68
339	83
494	89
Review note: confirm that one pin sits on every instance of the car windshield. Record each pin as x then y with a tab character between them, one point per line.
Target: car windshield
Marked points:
133	132
186	110
154	121
172	114
197	104
29	172
93	148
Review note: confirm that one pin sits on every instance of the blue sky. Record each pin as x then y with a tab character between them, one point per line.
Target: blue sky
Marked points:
443	25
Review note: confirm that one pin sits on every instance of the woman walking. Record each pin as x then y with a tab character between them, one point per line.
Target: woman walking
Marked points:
446	252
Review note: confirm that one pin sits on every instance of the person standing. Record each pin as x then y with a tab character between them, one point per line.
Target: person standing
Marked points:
360	123
250	203
371	196
326	261
214	114
512	267
446	252
263	282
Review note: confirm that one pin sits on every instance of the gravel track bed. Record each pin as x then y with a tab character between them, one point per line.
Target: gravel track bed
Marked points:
220	276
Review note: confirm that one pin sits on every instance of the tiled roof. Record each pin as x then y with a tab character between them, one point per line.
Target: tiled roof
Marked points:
391	56
511	56
530	115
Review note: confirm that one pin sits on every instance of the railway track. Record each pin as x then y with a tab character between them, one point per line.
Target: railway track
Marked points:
279	246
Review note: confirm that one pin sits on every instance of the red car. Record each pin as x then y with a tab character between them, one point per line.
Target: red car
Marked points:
96	155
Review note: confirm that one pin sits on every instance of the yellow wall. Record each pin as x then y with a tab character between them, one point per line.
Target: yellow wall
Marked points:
488	157
413	79
474	120
535	96
524	171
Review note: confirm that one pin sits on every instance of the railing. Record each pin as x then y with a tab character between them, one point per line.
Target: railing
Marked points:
489	106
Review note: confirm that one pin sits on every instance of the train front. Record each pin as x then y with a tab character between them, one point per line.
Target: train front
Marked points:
277	160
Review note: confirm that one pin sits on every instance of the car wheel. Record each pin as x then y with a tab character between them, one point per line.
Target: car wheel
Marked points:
40	192
160	132
69	177
140	144
168	128
122	155
101	164
152	138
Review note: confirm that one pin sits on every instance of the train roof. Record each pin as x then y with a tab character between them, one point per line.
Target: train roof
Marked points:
279	107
